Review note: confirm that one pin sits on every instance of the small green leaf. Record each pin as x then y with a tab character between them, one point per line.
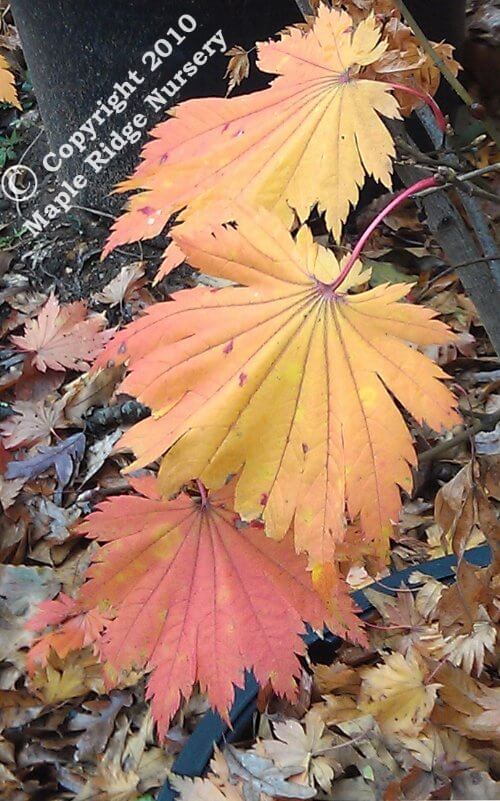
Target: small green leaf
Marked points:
367	772
384	272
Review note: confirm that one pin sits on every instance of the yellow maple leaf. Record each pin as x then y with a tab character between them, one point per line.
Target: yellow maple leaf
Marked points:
287	381
396	694
8	92
61	679
312	137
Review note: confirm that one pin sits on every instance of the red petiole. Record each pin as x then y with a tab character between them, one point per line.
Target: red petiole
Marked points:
426	98
203	493
419	186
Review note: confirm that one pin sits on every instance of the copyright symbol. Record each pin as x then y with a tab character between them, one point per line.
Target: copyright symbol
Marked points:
19	183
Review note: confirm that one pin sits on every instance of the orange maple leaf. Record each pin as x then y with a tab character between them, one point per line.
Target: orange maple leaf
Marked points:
287	380
193	598
77	628
310	138
63	338
8	92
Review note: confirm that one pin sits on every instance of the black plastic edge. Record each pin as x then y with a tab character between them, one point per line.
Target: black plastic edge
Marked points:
196	754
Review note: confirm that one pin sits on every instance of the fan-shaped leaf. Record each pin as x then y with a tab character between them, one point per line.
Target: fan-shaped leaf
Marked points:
311	137
77	628
286	380
194	598
63	338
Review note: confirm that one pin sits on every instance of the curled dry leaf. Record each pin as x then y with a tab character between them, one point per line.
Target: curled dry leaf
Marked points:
122	286
407	63
9	490
460	603
360	9
52	523
129	766
288	380
238	68
261	775
63	338
18	707
462	509
404	60
396	694
88	391
63	458
439	746
304	745
269	147
468	650
336	677
428	594
98	453
204	790
237	775
405	625
97	723
336	709
465	345
468	706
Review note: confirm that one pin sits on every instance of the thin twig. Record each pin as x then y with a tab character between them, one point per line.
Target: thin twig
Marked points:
410	191
443	68
471	188
471	262
451	269
21	160
478	191
358	739
305	7
95	212
487	422
454	177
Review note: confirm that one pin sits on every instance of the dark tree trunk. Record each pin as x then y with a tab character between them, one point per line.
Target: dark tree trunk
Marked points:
440	19
77	50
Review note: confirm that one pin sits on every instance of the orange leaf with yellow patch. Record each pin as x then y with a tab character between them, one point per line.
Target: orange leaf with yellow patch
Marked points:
75	627
194	598
287	380
312	137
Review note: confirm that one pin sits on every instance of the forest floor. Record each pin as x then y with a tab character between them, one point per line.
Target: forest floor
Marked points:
61	735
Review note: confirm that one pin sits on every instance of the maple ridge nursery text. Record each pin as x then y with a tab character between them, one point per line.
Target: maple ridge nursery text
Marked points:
98	154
